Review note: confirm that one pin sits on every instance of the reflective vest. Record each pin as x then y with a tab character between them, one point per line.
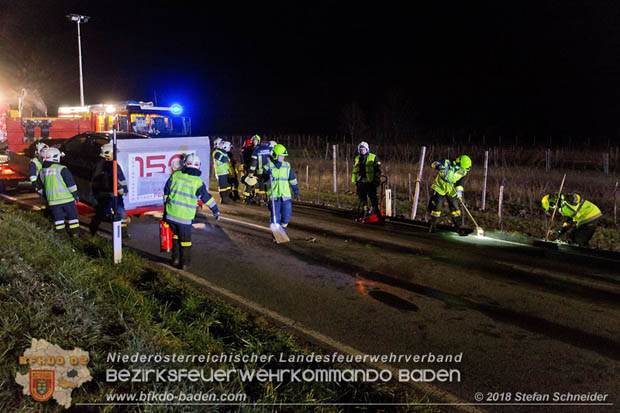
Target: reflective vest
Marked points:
581	212
280	184
38	167
221	168
370	169
448	176
182	200
56	190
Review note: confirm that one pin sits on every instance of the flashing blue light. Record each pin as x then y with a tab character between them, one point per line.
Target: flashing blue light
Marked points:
176	109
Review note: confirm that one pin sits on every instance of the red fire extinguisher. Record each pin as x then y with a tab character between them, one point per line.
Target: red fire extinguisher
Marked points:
165	236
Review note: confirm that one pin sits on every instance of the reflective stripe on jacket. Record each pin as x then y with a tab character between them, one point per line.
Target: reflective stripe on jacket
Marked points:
221	162
368	174
56	190
281	180
182	200
579	210
34	168
449	173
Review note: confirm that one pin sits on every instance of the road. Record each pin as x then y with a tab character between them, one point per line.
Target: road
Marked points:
526	320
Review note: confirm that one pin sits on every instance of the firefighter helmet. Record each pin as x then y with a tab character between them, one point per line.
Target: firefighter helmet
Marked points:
52	155
226	146
549	201
363	145
192	161
256	137
280	150
464	162
217	141
107	151
41	147
272	144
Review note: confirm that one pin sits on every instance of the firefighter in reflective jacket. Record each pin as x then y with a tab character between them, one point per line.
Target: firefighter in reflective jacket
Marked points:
280	179
57	183
449	185
366	176
221	162
583	215
103	191
260	157
33	172
182	192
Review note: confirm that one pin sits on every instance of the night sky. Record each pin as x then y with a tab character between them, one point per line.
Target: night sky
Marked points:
547	67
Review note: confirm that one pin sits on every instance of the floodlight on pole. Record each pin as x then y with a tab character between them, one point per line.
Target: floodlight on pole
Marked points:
79	19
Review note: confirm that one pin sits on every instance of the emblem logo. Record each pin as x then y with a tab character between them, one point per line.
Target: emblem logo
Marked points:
42	384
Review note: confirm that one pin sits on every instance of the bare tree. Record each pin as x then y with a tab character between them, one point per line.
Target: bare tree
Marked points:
354	122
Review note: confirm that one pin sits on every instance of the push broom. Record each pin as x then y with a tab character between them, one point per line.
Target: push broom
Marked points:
479	230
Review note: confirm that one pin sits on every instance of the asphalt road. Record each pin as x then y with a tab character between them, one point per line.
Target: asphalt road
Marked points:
527	321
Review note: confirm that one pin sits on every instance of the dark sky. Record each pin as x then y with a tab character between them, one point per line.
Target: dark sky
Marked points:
545	67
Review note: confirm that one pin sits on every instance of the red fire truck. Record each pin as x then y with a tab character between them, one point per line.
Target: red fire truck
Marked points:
17	133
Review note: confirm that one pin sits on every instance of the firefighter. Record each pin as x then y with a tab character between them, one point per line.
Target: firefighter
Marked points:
246	160
449	185
366	176
182	192
103	191
580	214
33	172
233	173
60	191
222	171
280	179
260	157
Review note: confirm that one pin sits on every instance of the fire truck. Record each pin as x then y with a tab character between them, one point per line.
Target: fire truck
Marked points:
17	133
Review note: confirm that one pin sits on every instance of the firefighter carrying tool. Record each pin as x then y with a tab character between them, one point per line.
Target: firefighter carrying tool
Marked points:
449	185
182	192
281	180
222	171
580	214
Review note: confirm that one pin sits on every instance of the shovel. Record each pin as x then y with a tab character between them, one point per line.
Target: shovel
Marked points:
279	234
479	230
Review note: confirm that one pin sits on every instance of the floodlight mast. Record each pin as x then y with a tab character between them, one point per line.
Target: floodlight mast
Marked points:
79	19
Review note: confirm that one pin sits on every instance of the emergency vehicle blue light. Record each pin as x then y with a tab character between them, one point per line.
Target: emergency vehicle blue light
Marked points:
176	109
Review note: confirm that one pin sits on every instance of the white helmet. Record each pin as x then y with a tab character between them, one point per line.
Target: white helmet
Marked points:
226	146
272	144
40	147
217	141
192	161
363	145
52	155
107	151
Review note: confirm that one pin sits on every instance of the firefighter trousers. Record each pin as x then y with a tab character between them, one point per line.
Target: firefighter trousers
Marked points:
181	244
65	212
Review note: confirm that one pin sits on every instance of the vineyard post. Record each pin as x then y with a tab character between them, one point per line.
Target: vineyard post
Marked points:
615	203
307	184
486	174
499	207
416	196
